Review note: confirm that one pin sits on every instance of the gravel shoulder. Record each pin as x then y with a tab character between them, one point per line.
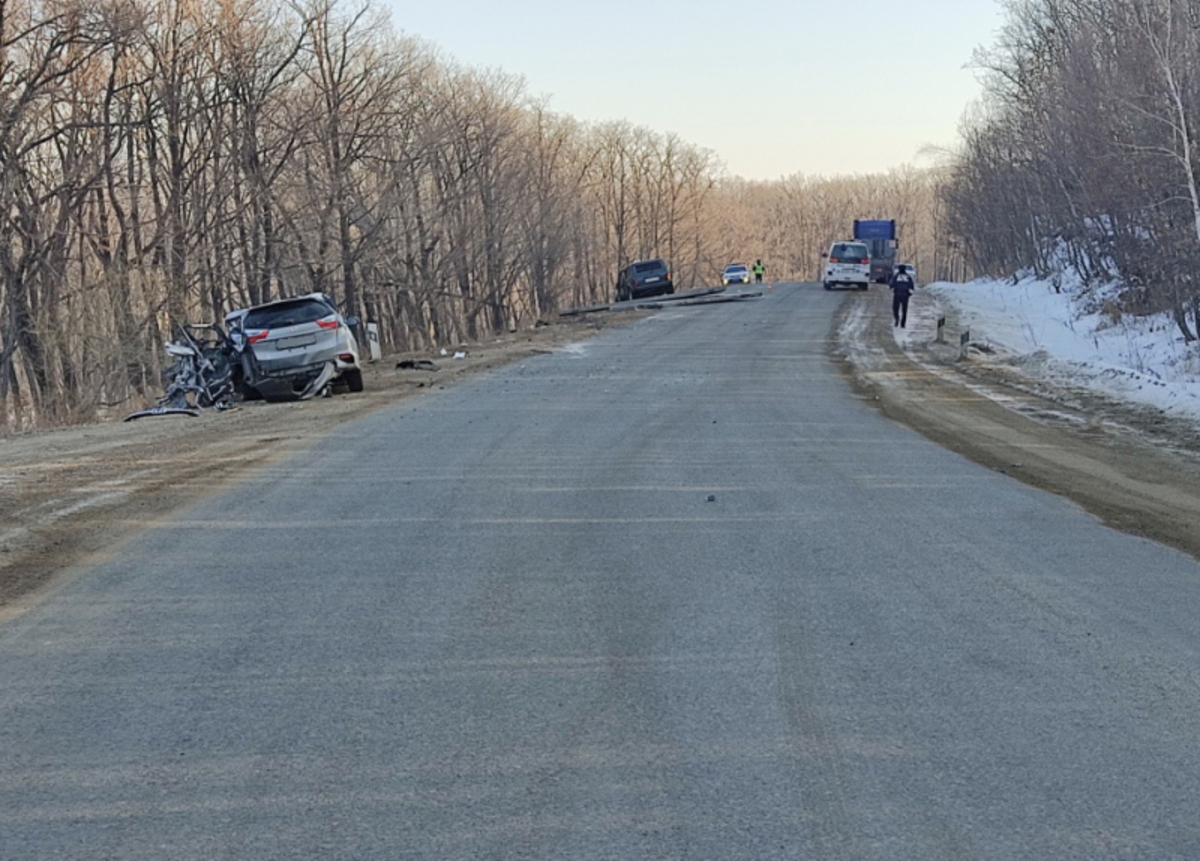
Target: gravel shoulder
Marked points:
70	496
1135	468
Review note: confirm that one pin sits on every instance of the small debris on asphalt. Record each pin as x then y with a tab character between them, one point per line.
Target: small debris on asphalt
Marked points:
712	497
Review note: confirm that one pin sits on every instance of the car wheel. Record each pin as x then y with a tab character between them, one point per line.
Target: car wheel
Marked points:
863	286
828	286
353	378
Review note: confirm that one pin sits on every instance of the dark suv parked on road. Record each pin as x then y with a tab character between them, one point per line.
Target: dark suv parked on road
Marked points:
643	278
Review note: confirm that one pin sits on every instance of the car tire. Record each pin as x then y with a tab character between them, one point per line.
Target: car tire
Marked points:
863	286
828	286
353	378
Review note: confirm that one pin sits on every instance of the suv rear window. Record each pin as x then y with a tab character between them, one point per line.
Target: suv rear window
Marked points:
845	252
286	314
650	266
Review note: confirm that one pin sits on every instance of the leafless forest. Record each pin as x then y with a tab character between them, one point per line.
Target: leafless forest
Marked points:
169	160
1085	150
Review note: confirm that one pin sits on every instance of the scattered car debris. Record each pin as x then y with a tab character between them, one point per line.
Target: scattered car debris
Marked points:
162	411
200	375
460	355
417	365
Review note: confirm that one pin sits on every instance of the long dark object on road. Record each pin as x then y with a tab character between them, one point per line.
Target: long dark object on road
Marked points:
671	298
707	300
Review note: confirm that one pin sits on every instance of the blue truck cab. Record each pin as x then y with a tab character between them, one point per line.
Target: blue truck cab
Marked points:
880	238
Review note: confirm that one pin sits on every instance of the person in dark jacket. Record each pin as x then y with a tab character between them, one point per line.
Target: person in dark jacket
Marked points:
902	285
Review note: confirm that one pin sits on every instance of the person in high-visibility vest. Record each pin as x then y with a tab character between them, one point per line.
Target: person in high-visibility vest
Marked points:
759	269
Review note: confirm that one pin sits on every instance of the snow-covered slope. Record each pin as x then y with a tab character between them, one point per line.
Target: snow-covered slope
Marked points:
1068	338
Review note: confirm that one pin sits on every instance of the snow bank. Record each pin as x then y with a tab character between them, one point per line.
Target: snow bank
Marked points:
1068	339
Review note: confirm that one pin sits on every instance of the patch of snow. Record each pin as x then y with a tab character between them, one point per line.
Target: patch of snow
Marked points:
1067	337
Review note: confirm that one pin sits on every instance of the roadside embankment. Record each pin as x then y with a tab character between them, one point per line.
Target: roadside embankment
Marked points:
1135	469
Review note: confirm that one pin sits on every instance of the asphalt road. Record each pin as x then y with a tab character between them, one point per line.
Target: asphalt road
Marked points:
676	593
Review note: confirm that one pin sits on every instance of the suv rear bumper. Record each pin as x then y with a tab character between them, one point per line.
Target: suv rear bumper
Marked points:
301	362
656	289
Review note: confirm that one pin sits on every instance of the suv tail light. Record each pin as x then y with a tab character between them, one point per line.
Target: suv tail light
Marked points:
254	339
328	324
867	261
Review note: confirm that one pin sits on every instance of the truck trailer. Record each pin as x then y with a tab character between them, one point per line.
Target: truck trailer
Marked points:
880	237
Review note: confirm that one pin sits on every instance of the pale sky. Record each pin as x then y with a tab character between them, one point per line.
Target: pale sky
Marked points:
775	87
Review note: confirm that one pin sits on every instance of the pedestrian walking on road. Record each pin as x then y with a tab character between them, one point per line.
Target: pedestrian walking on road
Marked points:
759	269
902	285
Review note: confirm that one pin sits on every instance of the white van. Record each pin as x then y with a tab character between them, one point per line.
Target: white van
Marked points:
848	263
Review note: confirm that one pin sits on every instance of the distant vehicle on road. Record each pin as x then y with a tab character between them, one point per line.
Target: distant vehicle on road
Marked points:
847	263
296	342
736	273
879	236
643	278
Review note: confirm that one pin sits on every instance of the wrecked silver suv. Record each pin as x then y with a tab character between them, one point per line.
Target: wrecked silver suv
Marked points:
293	348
